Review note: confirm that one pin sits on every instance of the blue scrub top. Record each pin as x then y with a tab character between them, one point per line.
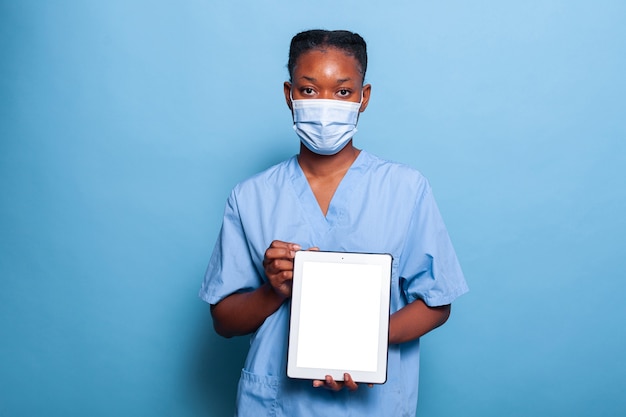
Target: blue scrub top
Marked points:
379	206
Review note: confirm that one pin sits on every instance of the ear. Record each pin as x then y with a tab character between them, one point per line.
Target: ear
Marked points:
287	91
367	90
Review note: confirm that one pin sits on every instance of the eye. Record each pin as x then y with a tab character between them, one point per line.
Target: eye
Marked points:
343	93
307	91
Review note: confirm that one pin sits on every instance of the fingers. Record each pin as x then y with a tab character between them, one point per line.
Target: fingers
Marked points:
317	383
279	244
280	250
278	265
331	384
349	383
281	268
328	383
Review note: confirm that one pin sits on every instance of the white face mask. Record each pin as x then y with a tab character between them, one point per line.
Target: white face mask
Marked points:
325	126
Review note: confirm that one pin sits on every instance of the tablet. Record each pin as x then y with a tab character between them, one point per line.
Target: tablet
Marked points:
339	316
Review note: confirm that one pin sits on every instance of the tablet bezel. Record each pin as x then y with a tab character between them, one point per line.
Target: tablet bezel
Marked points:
382	262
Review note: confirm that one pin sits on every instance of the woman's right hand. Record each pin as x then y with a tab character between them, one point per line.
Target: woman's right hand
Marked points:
278	265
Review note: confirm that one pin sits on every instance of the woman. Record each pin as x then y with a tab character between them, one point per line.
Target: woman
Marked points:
335	197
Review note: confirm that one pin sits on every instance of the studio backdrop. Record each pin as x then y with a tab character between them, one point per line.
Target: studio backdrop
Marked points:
124	125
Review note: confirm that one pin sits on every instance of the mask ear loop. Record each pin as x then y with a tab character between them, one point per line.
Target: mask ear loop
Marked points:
291	94
360	105
293	116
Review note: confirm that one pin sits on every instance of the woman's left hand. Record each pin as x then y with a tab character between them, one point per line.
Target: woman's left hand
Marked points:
331	384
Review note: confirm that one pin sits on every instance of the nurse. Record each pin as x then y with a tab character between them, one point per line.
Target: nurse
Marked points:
331	196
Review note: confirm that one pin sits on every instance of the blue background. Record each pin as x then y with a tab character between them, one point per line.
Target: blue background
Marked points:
124	124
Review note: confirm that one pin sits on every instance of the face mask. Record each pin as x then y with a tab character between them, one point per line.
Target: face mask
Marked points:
325	126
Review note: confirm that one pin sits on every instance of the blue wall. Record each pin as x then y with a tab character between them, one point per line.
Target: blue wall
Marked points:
124	124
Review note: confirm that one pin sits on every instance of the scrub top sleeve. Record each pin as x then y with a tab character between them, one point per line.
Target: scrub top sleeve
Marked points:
231	268
429	269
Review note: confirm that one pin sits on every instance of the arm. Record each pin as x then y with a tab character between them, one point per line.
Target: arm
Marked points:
243	313
415	320
409	323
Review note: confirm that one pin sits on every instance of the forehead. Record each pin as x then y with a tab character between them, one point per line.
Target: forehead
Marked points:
328	61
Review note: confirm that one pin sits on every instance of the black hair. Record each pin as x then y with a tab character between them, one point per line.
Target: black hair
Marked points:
350	43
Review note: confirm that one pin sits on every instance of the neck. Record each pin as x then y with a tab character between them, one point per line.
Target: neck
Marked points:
327	165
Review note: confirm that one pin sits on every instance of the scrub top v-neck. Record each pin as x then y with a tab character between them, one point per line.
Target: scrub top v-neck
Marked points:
310	206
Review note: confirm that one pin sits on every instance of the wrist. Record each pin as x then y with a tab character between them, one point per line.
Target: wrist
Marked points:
272	295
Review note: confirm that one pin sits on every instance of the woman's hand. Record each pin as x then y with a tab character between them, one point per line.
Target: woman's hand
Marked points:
278	265
331	384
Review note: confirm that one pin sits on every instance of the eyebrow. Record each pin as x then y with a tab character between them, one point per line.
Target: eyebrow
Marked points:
339	81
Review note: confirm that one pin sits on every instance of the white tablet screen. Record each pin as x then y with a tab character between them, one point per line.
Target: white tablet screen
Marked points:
348	290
